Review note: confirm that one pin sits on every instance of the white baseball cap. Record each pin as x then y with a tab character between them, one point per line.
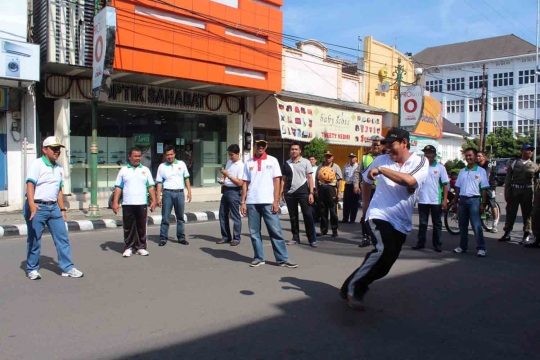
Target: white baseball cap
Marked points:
52	141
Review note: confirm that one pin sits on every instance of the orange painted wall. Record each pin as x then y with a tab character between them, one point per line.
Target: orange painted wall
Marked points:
158	47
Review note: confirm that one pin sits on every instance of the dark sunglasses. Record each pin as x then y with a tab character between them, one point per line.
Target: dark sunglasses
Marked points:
55	148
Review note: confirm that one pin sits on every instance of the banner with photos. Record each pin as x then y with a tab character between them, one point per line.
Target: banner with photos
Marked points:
304	122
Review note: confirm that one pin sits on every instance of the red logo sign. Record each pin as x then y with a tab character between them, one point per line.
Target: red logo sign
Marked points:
410	106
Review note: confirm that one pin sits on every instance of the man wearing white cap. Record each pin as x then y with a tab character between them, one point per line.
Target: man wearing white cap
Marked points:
45	206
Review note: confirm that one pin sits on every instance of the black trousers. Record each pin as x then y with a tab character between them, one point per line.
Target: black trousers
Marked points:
424	210
134	220
377	263
302	199
365	229
350	203
328	204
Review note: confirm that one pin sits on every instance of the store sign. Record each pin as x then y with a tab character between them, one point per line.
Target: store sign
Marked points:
411	104
431	122
303	122
141	139
419	142
19	60
153	95
103	50
3	98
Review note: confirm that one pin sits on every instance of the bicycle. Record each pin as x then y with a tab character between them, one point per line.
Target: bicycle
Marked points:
451	218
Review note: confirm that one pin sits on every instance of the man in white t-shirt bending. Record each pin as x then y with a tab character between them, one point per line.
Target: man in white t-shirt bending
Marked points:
389	213
260	201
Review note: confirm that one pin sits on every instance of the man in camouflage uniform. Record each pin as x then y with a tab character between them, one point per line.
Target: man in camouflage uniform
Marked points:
518	190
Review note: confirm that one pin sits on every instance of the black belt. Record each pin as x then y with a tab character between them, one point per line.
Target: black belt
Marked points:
225	188
45	202
174	190
470	197
516	186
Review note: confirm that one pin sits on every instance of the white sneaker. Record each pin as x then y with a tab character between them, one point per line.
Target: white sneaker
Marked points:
459	250
481	253
34	275
494	229
127	253
142	252
74	273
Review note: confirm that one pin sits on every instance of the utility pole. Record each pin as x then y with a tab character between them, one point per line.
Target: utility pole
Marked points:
400	71
483	109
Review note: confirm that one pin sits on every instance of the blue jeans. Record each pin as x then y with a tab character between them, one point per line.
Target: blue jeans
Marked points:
255	213
170	200
230	208
51	216
469	209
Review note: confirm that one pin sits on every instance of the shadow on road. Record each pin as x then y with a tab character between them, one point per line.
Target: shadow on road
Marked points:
227	254
116	246
205	237
45	262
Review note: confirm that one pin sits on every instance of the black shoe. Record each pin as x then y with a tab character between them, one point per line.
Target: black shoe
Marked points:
525	238
344	221
290	265
162	243
418	247
366	242
322	234
437	248
535	244
505	237
183	242
334	233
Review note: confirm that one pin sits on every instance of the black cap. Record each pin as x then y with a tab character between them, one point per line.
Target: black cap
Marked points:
429	148
328	153
260	138
396	134
353	155
527	147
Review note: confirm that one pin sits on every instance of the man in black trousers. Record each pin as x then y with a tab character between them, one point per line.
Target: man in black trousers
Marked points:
350	197
328	194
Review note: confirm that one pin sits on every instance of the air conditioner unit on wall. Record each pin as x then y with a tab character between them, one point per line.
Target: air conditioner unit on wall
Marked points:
16	49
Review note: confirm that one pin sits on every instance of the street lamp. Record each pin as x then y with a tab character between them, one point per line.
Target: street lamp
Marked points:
418	72
400	71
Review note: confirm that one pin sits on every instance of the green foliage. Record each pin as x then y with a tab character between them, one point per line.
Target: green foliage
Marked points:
454	165
502	143
316	148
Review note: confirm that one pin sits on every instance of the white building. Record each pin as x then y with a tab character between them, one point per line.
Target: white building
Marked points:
19	69
454	76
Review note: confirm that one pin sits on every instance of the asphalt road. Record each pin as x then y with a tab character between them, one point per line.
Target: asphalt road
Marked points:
203	301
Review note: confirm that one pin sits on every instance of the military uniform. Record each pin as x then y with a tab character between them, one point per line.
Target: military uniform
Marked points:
518	191
536	214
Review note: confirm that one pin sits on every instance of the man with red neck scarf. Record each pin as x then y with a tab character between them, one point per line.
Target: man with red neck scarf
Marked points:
260	200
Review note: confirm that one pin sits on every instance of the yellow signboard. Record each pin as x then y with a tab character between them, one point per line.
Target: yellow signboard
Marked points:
431	122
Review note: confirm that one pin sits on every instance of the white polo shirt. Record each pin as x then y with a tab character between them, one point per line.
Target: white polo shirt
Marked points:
134	183
471	182
172	175
236	170
261	176
431	191
47	179
392	202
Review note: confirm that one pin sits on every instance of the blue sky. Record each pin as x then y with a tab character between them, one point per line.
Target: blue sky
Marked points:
410	25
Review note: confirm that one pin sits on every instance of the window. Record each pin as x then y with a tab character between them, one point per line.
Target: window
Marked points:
455	106
527	101
503	79
504	124
526	126
474	105
456	84
476	82
434	85
474	128
526	77
503	103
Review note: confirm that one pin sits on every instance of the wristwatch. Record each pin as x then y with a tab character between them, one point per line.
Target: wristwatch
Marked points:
63	209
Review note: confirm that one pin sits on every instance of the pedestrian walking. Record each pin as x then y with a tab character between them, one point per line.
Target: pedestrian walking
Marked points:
389	213
328	182
432	199
260	201
135	183
297	189
231	191
44	206
491	172
471	186
535	215
377	148
350	197
518	191
172	180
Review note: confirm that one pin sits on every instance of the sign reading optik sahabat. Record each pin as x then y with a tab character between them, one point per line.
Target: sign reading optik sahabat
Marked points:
303	122
156	96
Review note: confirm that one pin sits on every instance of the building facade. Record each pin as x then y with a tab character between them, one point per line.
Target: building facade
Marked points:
185	74
19	71
454	75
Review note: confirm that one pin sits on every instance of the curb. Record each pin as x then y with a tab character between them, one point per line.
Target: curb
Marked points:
98	224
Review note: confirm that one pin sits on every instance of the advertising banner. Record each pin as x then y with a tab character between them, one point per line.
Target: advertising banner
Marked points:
431	122
411	104
103	50
19	60
304	122
420	142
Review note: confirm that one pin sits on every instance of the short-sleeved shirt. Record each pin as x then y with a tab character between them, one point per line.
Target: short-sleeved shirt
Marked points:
172	175
261	173
134	182
47	178
296	173
393	202
336	169
348	172
236	170
431	191
471	182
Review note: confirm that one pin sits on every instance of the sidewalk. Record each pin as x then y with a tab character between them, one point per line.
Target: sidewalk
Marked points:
13	224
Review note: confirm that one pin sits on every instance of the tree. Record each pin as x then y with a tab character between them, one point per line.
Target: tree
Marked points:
316	148
454	165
